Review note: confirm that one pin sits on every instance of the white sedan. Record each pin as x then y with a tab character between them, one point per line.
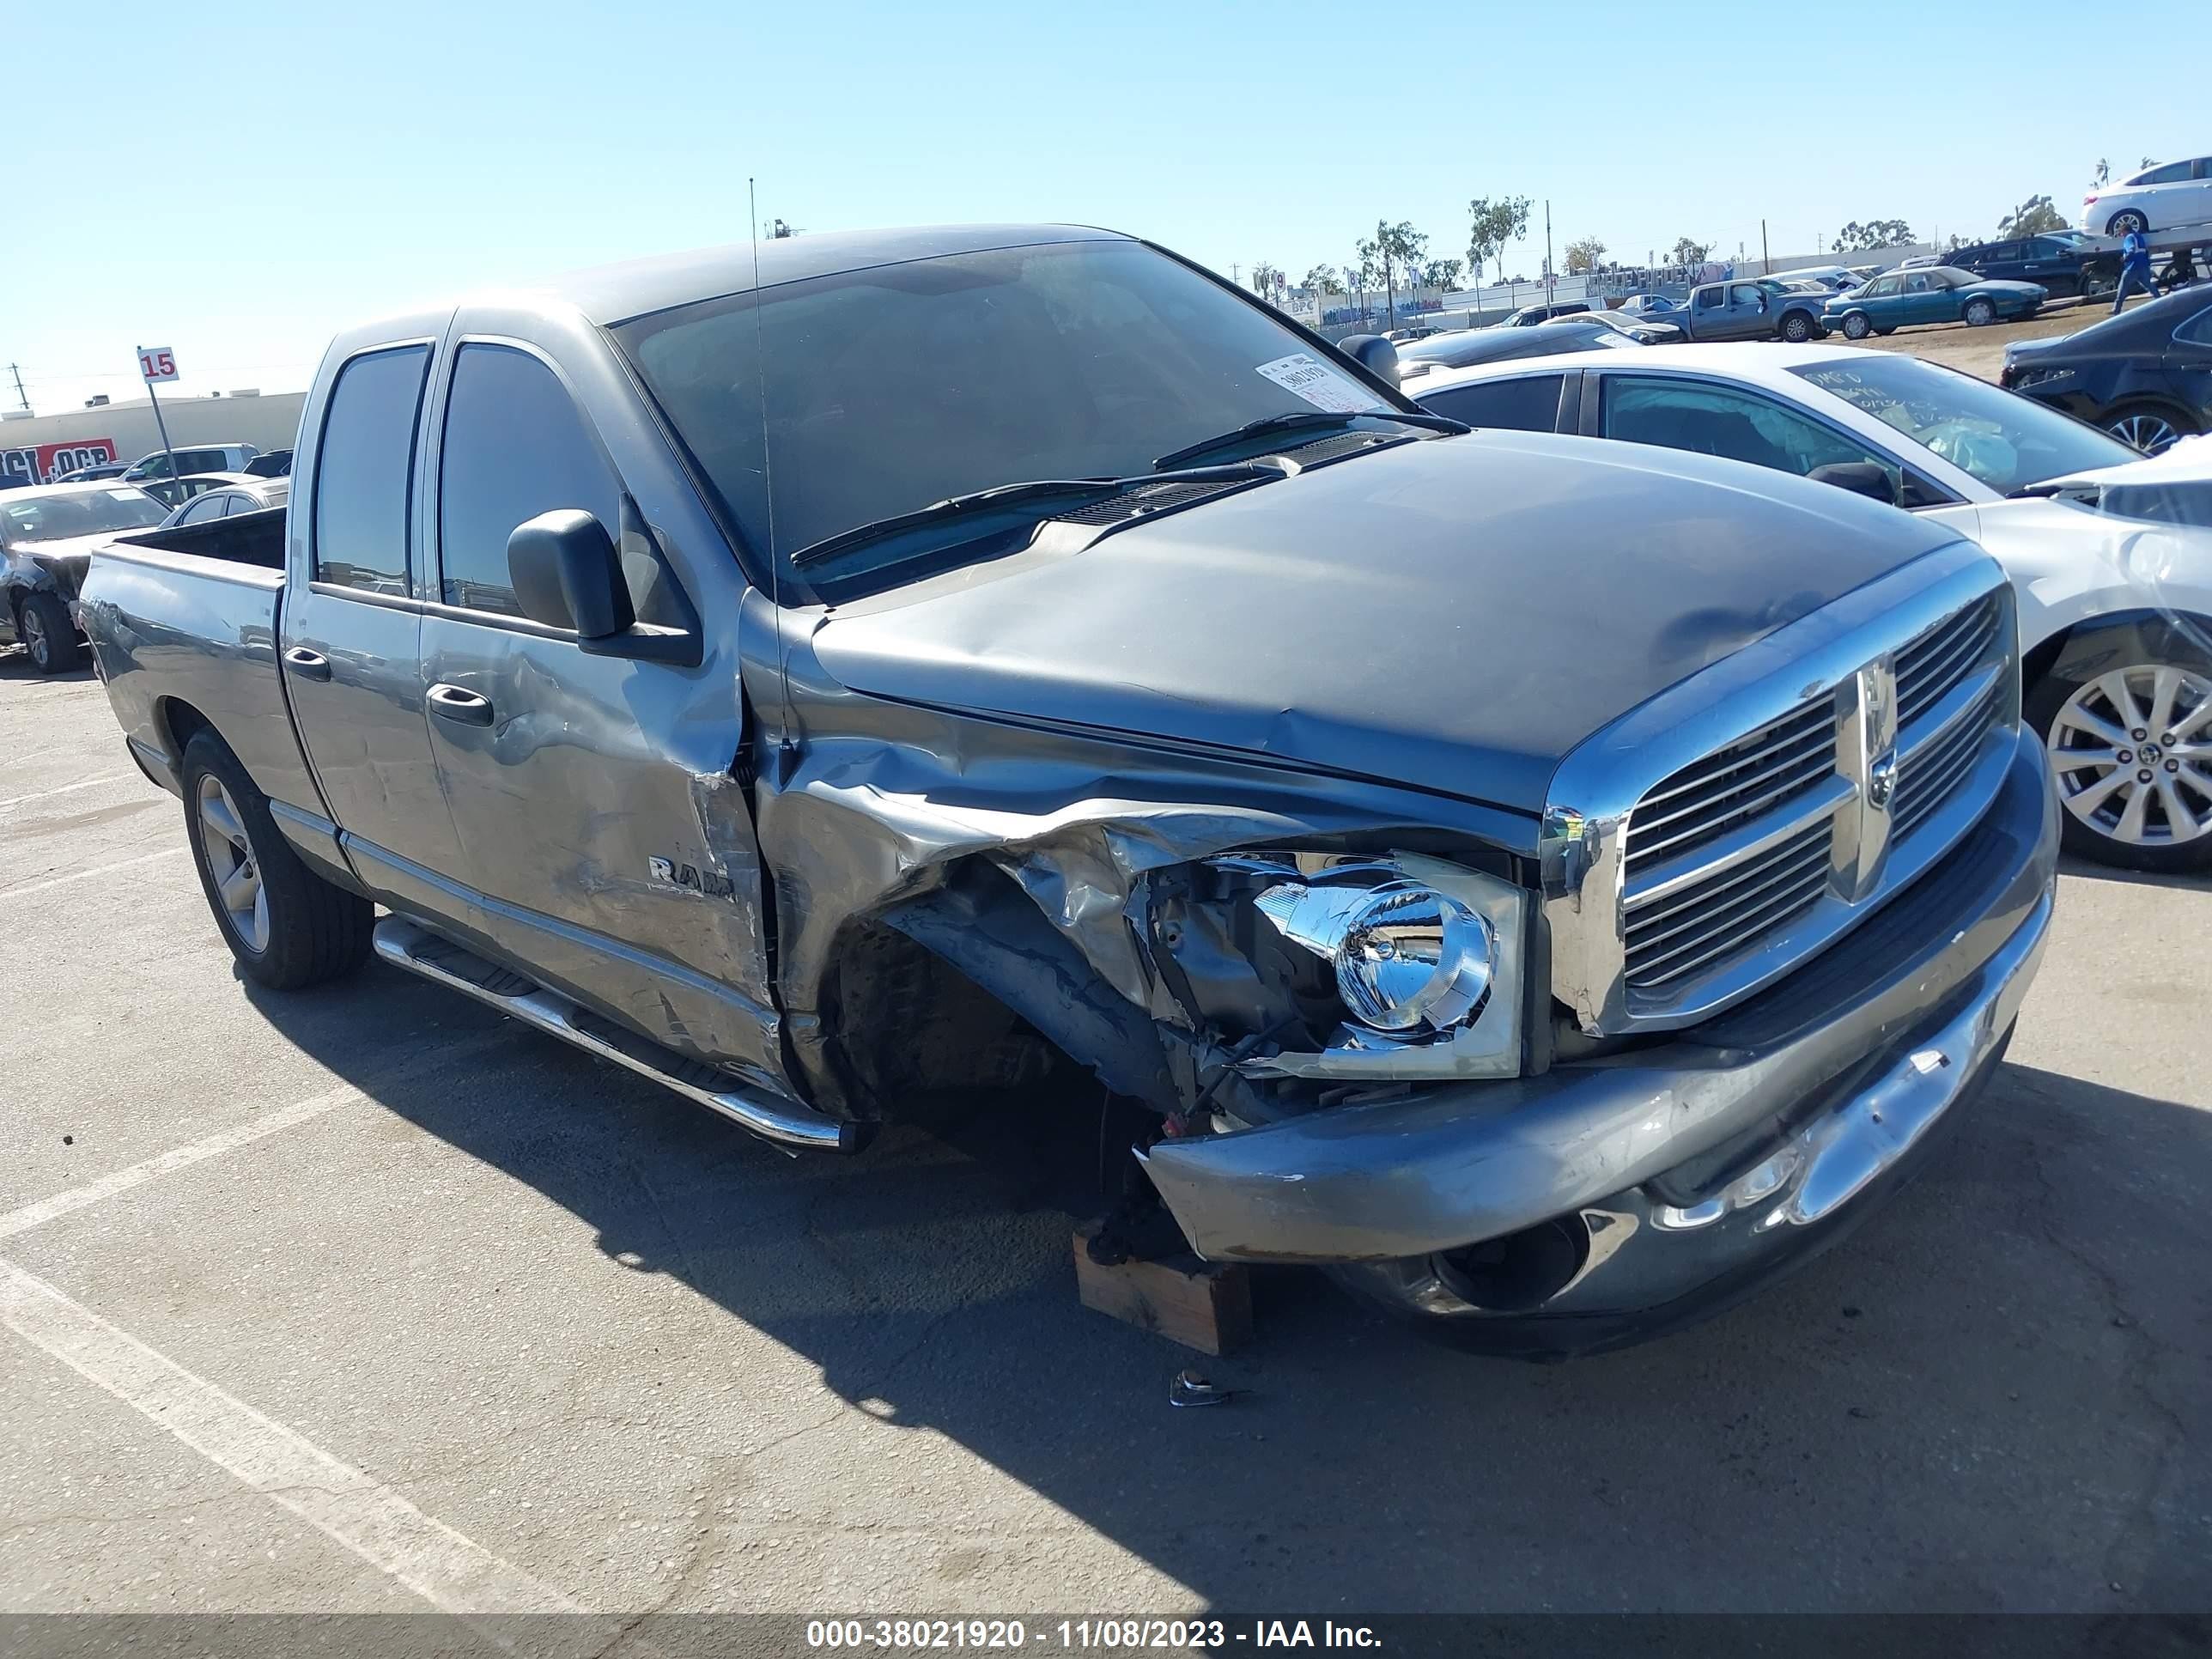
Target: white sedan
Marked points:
2109	554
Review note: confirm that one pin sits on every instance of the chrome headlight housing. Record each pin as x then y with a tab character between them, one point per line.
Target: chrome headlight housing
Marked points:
1425	958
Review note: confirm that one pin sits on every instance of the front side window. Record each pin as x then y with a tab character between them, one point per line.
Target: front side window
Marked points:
1530	404
1746	293
1881	286
362	471
1707	419
2000	439
884	390
515	447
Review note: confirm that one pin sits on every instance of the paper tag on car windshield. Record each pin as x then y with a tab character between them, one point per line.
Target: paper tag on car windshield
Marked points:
1319	384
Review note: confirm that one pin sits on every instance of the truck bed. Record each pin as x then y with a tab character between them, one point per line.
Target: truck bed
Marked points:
255	538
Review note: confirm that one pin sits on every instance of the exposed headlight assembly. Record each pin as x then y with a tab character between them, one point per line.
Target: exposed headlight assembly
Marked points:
1427	957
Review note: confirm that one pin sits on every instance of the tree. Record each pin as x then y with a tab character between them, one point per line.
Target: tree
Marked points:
1440	273
1321	279
1490	226
2031	218
1393	249
2104	174
1264	280
1687	252
1857	237
1583	256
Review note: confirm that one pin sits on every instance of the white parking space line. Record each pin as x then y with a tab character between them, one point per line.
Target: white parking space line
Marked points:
63	789
349	1505
29	888
122	1180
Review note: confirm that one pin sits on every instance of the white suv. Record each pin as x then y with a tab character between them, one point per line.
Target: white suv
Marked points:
2169	197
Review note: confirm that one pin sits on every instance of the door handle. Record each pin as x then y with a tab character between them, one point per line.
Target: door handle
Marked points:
308	665
451	702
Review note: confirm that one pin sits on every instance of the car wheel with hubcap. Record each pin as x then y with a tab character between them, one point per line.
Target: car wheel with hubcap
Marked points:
2121	223
1797	328
2131	753
1980	314
42	623
287	927
1857	326
2149	427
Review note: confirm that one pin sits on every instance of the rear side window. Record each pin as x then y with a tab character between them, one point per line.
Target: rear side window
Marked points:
362	470
515	446
2171	173
2197	331
1530	404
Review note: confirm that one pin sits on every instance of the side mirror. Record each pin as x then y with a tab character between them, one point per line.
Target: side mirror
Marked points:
566	574
1860	477
1372	353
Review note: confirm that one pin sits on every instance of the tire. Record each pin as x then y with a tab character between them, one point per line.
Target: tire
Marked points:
42	623
2126	220
1979	313
2098	815
1796	327
1858	325
287	927
2152	429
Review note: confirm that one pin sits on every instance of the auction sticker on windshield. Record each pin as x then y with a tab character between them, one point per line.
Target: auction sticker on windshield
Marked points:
1319	384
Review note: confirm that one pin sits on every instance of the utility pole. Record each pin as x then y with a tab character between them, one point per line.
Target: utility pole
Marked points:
19	397
1765	259
1551	277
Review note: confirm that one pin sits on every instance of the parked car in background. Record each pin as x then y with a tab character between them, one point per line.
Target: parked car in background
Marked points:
1921	261
1424	933
243	495
1937	295
2115	631
1645	330
1835	279
95	473
270	463
2172	196
175	492
48	533
1490	345
2054	261
1530	316
190	459
1644	306
1752	308
2143	374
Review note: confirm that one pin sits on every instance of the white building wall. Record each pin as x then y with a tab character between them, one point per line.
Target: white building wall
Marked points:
266	422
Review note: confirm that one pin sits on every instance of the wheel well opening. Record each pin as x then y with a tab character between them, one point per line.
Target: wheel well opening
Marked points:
180	722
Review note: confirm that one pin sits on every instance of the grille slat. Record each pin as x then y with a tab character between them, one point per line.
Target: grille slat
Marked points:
1748	788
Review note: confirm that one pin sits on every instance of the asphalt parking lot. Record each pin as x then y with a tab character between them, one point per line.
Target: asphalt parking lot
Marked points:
368	1300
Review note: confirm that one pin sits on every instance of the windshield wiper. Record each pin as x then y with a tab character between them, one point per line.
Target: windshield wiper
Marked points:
1295	419
1000	497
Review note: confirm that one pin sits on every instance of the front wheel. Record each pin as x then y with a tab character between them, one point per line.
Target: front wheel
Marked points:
1980	314
1797	328
2131	754
42	623
1857	326
2121	223
287	927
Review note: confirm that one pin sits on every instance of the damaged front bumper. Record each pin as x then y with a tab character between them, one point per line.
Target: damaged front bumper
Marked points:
1600	1203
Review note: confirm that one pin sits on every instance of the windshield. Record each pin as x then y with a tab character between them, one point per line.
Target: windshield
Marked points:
890	389
2004	440
93	513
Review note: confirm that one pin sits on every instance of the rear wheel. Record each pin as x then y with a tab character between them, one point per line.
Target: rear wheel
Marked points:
2151	427
42	623
2131	754
287	927
1858	325
1980	314
2121	223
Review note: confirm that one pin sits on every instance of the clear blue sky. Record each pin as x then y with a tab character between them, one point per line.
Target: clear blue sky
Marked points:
237	192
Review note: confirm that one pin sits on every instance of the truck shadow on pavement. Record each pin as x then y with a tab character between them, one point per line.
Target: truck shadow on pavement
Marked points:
1986	1398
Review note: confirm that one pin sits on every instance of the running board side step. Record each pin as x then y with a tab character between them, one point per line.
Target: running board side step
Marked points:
788	1123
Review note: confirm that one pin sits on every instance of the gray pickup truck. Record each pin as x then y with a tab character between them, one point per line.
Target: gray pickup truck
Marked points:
1553	885
1754	308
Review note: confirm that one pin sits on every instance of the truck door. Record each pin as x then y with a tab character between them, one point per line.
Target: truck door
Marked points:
608	837
350	630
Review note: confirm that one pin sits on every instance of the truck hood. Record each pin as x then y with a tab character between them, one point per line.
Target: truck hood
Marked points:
1453	614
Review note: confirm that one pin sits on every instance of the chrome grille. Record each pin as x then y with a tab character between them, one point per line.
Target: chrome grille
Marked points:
1756	775
1686	896
1717	915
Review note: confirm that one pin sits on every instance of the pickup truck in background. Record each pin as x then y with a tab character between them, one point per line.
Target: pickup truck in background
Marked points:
1754	308
1550	883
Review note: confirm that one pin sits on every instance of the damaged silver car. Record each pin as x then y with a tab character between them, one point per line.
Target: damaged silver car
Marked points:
1553	885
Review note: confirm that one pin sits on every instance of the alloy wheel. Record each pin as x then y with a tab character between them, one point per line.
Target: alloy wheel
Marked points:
2132	751
33	627
232	864
2151	434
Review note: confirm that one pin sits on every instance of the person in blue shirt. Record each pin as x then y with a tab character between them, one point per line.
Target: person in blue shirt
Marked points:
2134	269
